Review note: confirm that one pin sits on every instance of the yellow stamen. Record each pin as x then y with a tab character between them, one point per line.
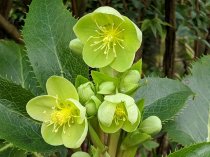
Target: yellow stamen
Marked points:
108	37
120	114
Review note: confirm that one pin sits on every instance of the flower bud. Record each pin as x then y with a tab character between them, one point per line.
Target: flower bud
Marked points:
92	105
107	87
130	81
85	91
80	154
76	46
152	125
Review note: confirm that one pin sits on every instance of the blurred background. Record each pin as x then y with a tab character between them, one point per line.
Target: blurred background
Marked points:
175	32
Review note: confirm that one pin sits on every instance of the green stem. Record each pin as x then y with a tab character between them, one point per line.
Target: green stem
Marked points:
113	143
95	139
130	152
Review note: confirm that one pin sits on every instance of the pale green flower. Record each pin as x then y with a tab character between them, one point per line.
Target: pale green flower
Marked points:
63	117
118	111
108	38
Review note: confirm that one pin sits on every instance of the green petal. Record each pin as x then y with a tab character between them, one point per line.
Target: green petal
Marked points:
62	88
129	127
119	98
75	135
85	27
112	128
50	137
132	111
106	113
108	10
96	59
132	41
40	108
81	108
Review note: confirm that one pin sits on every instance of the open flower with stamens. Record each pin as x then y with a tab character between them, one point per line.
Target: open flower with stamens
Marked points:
109	39
118	111
63	117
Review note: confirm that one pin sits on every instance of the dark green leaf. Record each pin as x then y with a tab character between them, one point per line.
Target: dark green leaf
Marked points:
15	66
16	94
47	33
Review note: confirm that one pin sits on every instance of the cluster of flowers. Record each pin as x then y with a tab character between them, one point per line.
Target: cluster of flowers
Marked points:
108	41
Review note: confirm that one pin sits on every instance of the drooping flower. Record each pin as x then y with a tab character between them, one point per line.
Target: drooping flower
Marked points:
118	111
63	117
109	39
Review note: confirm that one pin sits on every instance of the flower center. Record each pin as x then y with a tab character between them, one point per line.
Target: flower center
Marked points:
108	37
120	114
64	114
61	117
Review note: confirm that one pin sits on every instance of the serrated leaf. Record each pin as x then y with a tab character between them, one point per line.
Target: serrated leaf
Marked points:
197	150
162	97
47	33
166	107
192	123
20	130
15	66
16	94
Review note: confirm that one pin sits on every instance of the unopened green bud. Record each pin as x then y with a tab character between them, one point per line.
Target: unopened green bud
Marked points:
130	81
152	125
85	91
107	88
92	106
76	46
80	154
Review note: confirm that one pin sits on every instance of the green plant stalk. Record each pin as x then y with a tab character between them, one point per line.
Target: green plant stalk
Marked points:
130	152
95	139
113	143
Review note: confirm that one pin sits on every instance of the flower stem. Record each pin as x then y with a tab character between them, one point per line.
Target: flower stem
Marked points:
113	143
95	139
130	152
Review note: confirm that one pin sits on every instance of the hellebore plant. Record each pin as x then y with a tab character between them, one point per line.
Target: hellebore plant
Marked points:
63	116
109	38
